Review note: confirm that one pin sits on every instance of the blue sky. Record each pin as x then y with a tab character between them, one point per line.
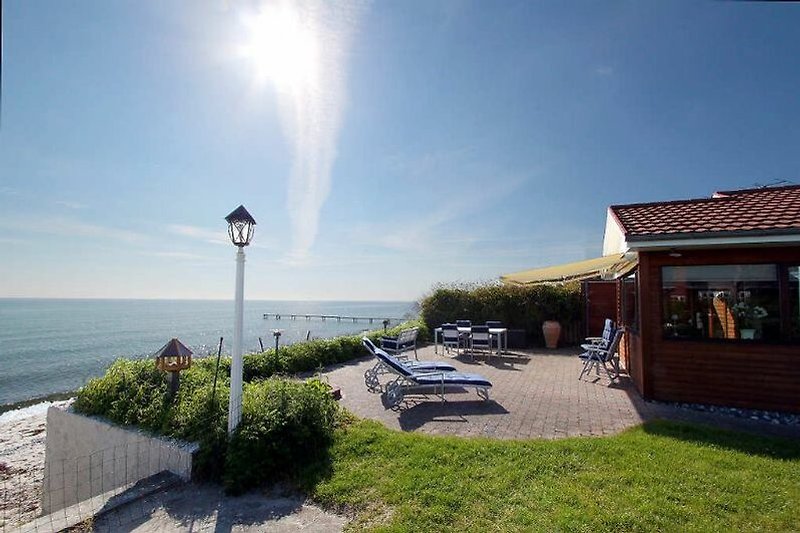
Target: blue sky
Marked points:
420	142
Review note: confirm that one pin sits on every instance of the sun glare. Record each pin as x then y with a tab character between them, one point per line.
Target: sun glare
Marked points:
282	46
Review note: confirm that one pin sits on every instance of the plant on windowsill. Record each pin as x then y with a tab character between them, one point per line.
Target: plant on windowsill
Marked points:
748	318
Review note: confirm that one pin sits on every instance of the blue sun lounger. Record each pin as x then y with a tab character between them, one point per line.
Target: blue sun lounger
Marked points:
436	381
371	379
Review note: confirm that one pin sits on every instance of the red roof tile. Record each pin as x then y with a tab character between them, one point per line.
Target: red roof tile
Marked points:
767	210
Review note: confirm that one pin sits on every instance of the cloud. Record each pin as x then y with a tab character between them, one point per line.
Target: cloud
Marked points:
70	227
8	191
70	205
211	236
311	105
604	70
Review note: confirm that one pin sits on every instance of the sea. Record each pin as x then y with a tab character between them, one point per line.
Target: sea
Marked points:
49	347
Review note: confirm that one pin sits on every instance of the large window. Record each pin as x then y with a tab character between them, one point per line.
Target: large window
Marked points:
630	295
721	302
794	301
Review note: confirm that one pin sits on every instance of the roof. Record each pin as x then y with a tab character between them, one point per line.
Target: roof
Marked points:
173	348
614	265
763	211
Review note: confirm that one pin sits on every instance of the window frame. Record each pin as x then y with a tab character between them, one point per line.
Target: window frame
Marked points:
785	333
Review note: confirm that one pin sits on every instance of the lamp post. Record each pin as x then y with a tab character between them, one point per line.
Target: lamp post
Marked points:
240	230
277	334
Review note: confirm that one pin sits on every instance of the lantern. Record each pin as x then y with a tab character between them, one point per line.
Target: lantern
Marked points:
240	226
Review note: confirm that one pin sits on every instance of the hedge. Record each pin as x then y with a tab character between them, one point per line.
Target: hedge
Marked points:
283	422
518	307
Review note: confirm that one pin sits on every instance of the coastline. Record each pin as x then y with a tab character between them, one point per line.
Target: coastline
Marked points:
22	450
32	402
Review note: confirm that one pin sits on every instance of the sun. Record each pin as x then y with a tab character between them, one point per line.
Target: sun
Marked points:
282	46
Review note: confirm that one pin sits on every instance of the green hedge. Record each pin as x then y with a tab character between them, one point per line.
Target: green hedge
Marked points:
283	422
518	307
313	355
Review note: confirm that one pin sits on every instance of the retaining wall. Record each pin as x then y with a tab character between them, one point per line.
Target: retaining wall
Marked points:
88	457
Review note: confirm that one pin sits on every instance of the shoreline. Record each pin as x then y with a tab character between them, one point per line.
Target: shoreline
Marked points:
49	398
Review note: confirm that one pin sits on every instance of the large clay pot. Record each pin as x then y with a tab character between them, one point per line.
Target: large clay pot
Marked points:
551	330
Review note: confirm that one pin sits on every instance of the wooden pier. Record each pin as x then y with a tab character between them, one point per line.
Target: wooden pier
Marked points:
338	318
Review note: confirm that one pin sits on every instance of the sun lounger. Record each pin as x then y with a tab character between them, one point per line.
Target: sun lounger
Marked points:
371	376
437	382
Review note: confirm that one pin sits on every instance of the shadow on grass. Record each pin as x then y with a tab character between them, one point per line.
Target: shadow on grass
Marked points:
772	447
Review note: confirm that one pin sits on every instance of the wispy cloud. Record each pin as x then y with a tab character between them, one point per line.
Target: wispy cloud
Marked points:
311	100
70	227
604	70
8	191
203	234
70	205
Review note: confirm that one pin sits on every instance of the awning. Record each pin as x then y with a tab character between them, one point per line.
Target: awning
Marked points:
606	267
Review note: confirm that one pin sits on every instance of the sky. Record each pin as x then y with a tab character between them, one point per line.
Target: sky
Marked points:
381	147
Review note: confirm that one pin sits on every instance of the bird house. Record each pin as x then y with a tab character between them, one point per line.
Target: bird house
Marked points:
173	358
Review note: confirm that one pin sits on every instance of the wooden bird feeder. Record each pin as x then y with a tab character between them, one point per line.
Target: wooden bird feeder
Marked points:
173	358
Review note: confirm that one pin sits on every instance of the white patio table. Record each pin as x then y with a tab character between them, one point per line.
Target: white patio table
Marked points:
501	334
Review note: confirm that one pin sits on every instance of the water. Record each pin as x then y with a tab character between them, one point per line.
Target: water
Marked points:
50	346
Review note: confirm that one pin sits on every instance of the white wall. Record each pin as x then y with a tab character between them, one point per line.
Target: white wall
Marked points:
614	238
86	457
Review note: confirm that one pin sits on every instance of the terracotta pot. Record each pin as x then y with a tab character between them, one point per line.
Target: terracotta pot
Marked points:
551	330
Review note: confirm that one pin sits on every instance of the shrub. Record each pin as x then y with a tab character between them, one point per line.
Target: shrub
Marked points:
294	420
285	425
518	307
130	393
312	355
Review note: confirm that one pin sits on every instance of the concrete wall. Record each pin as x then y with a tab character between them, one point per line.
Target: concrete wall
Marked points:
86	457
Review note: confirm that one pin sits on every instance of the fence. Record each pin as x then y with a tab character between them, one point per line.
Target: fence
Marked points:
90	466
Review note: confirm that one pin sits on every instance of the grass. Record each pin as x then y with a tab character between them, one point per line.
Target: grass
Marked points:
661	476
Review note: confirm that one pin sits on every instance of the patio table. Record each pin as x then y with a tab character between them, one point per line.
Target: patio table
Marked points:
501	334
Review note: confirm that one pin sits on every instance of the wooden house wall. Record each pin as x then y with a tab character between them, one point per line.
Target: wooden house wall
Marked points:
743	374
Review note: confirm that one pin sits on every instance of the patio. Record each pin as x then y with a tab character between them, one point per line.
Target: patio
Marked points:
536	394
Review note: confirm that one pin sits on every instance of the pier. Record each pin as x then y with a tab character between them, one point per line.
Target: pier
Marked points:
338	318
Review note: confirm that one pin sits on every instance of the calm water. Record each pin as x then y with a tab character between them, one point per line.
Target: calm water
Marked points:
49	346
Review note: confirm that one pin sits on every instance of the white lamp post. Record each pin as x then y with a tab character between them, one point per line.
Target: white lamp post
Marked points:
240	230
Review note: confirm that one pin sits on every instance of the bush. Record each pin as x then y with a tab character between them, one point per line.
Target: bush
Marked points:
294	420
130	393
285	425
518	307
313	355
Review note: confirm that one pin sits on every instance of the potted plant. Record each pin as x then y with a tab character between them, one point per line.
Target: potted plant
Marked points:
749	318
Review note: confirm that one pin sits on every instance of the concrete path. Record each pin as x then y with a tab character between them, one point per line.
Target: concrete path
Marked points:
536	394
199	508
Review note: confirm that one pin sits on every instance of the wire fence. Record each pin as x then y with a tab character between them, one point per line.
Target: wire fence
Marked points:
76	482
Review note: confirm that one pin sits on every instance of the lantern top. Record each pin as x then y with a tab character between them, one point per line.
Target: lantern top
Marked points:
240	214
174	348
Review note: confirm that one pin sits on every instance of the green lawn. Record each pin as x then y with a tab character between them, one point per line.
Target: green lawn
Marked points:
661	476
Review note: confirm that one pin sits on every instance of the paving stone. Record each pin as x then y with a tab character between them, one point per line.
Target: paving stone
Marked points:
535	393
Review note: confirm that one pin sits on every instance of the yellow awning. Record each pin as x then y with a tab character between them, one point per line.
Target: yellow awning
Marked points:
607	267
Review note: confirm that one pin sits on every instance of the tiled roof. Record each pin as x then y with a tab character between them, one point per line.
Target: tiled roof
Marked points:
772	210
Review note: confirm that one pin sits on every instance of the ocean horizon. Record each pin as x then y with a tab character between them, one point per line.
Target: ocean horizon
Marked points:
50	346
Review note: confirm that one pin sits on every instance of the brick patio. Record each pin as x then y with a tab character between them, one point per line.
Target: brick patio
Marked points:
536	394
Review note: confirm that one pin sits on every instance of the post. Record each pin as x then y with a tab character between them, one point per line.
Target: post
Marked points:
235	404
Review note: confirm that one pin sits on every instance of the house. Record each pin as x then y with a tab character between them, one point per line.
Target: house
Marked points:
712	305
716	296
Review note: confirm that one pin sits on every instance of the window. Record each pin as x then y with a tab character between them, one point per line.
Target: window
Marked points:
721	302
630	294
794	301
